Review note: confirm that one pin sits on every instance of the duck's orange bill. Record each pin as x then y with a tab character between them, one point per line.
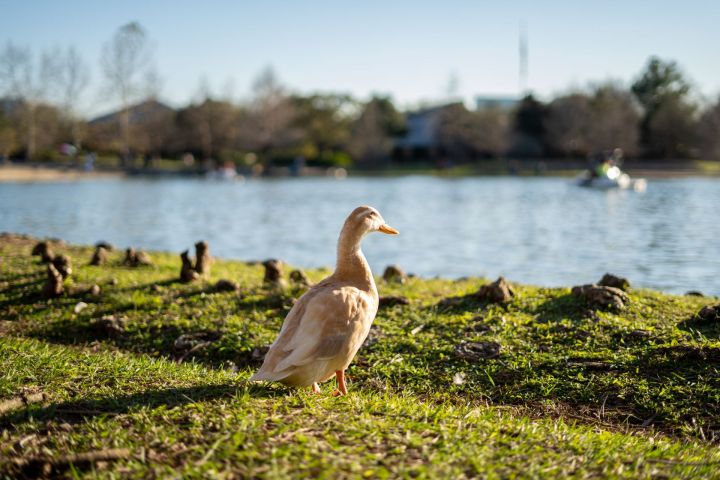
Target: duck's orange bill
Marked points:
388	229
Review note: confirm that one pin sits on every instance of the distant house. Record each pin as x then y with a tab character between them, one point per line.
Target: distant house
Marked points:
494	101
422	140
139	114
9	105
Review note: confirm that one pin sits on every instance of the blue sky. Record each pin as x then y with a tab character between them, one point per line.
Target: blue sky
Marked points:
408	49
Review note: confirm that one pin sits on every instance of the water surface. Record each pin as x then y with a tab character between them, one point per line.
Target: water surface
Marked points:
542	231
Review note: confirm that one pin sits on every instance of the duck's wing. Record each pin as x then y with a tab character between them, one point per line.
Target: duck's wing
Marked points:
317	328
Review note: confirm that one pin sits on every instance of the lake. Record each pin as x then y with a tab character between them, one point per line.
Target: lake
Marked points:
542	231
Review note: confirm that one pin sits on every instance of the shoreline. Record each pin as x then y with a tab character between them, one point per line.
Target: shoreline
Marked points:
10	173
32	174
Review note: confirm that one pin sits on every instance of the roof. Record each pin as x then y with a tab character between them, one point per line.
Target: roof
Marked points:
137	113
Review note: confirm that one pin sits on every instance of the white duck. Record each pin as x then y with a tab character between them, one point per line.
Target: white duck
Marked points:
328	324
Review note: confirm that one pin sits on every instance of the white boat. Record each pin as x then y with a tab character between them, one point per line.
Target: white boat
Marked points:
614	178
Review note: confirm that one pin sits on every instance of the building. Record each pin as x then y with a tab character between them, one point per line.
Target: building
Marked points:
496	101
422	140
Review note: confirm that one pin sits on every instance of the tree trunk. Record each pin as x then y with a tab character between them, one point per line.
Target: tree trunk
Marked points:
31	143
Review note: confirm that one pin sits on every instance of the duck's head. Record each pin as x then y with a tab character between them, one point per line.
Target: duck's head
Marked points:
365	219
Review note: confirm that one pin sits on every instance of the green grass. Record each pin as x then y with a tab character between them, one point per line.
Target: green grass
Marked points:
575	392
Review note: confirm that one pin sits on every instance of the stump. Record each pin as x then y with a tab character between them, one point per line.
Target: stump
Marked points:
187	271
602	297
107	246
610	280
43	250
142	258
109	326
298	277
224	285
54	283
273	273
100	256
394	274
63	264
500	291
202	258
130	258
135	259
709	314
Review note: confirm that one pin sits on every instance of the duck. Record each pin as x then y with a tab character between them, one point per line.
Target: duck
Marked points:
327	325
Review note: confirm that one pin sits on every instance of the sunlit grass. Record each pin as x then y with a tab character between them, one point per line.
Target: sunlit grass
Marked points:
575	391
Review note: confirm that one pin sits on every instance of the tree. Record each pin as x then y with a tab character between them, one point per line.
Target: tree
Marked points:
125	61
8	137
568	124
662	88
709	132
373	130
464	134
615	120
369	143
324	122
660	80
73	79
529	128
270	117
672	129
209	127
30	84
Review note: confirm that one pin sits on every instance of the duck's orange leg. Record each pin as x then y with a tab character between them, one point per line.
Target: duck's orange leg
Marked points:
342	388
315	388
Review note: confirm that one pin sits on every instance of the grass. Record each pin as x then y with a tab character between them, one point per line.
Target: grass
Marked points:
575	392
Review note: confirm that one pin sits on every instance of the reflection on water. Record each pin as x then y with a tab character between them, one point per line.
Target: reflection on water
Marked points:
538	230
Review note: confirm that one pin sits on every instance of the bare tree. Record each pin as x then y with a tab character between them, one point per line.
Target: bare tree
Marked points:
672	129
125	61
73	80
208	125
29	83
605	118
615	121
567	124
8	137
271	114
370	142
464	135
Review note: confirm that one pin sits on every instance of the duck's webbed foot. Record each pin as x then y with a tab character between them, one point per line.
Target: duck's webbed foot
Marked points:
342	388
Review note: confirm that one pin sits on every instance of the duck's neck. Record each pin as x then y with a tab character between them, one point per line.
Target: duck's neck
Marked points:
351	263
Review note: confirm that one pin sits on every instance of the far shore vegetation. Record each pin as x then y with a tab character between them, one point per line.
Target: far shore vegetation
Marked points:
659	117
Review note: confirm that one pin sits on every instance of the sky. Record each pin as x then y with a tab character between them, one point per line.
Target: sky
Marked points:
409	50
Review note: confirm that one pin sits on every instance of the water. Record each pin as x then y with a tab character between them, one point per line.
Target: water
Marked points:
542	231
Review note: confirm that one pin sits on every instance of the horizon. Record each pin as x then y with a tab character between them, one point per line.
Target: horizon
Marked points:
416	66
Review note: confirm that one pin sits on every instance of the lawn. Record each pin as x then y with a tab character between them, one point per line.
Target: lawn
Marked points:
148	378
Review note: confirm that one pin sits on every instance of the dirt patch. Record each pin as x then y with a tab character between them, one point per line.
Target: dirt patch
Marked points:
392	300
475	351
